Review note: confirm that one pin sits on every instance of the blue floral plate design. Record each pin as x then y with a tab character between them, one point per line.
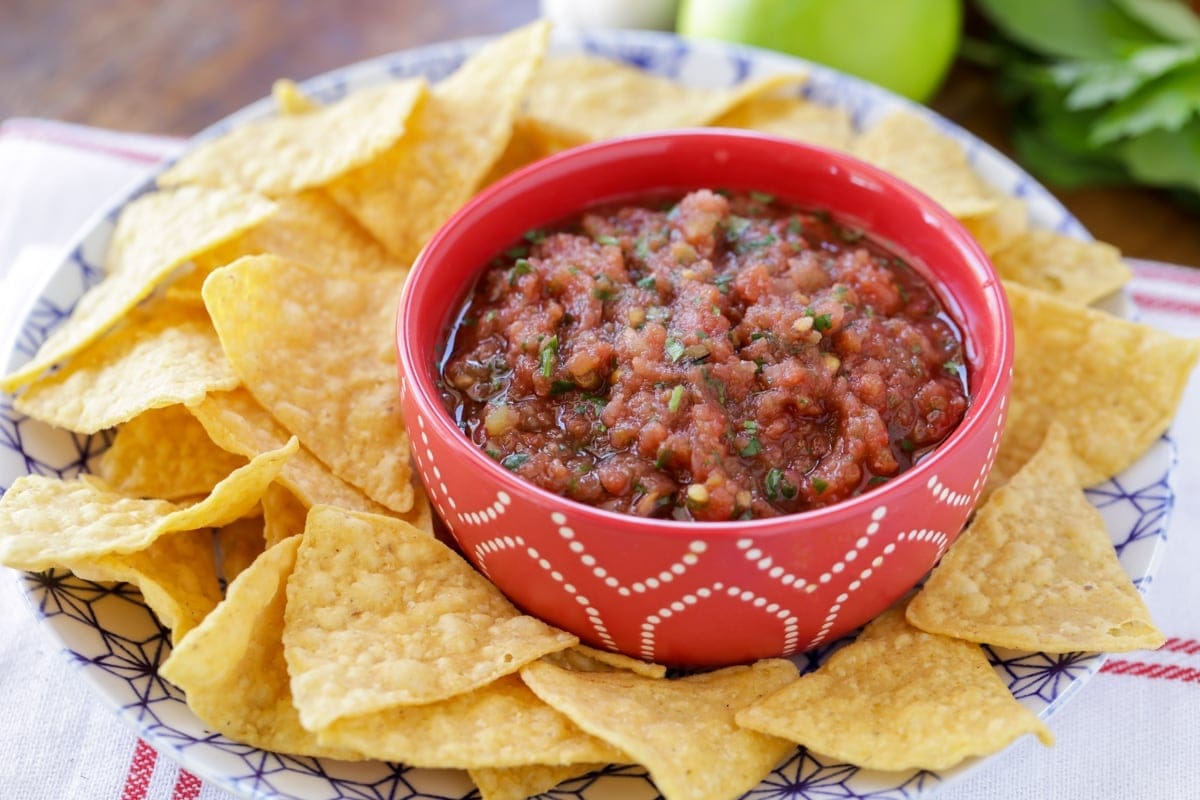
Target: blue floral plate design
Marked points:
117	644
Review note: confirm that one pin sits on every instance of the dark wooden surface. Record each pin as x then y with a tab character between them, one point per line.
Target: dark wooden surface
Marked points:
174	67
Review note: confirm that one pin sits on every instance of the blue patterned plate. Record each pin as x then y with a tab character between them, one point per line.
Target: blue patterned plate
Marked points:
117	644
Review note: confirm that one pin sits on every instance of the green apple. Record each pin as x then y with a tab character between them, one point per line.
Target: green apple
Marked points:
904	45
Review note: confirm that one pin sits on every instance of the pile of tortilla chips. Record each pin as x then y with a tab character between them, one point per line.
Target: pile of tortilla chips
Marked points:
259	491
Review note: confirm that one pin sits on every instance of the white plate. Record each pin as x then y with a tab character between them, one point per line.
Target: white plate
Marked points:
117	644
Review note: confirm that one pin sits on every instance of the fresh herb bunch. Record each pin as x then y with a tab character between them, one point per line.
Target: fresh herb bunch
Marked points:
1104	91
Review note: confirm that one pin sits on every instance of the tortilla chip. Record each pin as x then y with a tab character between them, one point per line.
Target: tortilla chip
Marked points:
176	576
909	147
582	658
1113	384
382	614
238	544
531	140
309	229
793	118
1068	268
162	355
593	98
318	353
237	423
898	698
455	137
232	666
518	783
290	98
283	515
681	730
1002	226
165	453
290	153
154	235
501	724
47	522
1036	570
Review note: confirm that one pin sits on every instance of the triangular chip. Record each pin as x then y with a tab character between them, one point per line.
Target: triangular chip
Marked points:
283	515
501	724
582	658
518	783
47	522
454	138
164	354
232	666
1000	227
307	228
794	118
176	576
1036	570
292	152
909	147
1113	384
290	98
383	614
318	353
154	235
1068	268
166	453
531	140
238	545
237	423
682	731
898	698
597	98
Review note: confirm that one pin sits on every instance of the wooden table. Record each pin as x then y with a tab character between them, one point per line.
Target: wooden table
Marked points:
174	67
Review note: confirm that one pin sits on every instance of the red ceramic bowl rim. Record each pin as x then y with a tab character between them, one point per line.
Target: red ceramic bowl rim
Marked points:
420	382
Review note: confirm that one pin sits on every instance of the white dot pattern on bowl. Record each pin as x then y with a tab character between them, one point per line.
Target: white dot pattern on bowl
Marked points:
682	600
695	599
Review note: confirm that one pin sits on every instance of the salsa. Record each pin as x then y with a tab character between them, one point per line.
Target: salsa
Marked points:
712	357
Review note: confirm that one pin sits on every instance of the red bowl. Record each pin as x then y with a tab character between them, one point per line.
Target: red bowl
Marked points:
714	593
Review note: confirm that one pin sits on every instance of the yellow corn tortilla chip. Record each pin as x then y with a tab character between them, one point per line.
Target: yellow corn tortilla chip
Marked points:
592	98
162	355
292	152
155	234
501	724
47	522
237	423
1036	570
307	228
518	783
1113	384
382	614
1002	226
531	140
454	138
165	453
232	667
283	515
291	99
1068	268
176	576
682	731
794	118
898	698
912	149
238	544
318	353
582	658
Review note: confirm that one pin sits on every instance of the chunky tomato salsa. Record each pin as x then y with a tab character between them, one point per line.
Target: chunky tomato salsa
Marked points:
713	357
